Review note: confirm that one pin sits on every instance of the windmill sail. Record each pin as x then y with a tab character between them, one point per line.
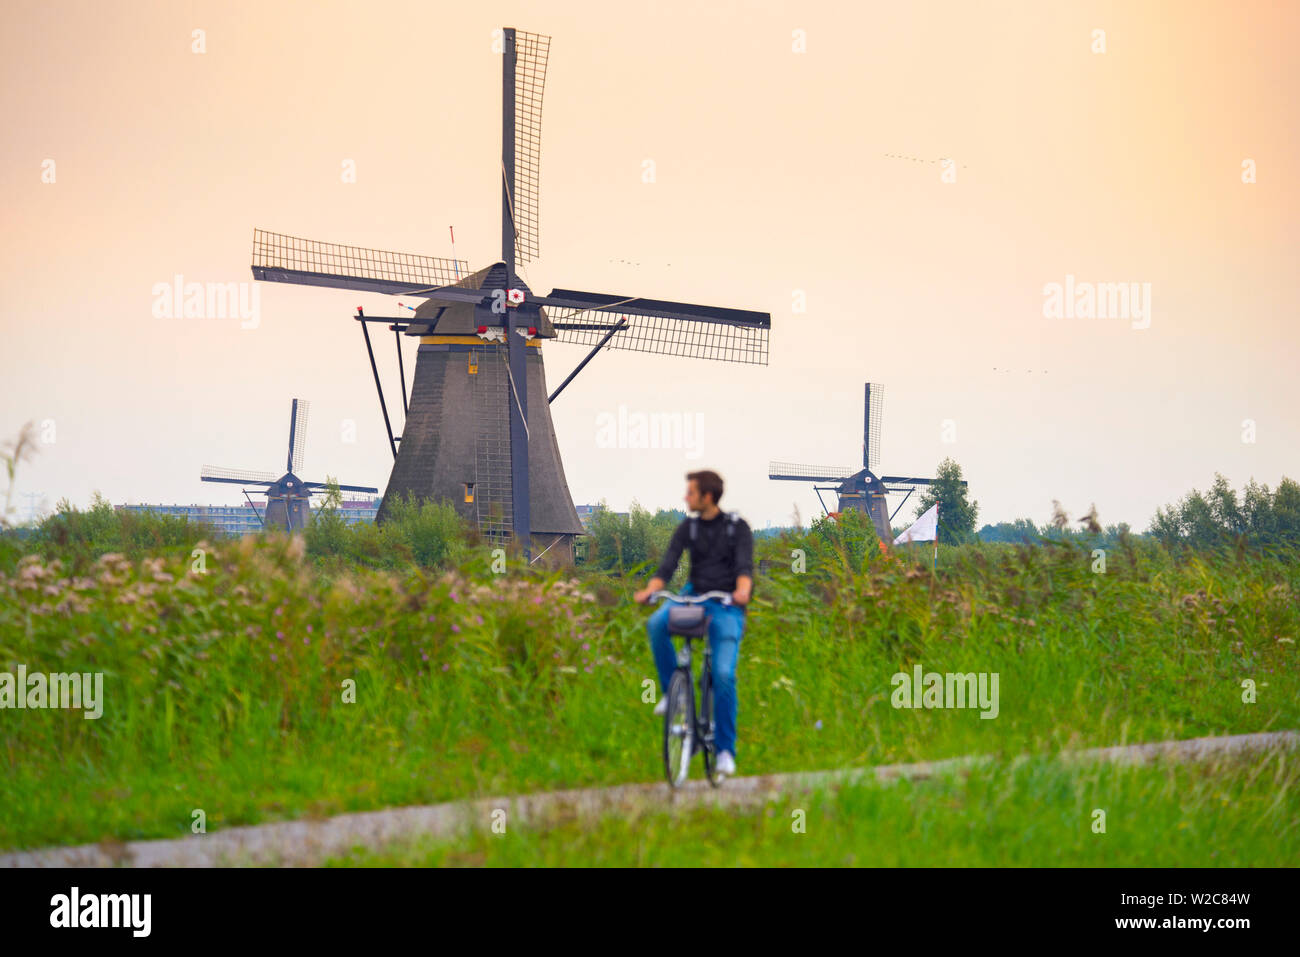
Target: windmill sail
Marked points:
788	471
531	52
667	331
212	473
308	262
872	411
297	434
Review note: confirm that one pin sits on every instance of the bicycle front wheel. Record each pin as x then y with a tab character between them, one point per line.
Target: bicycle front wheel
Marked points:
679	727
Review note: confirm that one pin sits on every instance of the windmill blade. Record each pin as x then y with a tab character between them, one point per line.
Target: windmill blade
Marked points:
298	434
306	262
899	483
659	326
790	472
531	51
872	414
211	473
342	488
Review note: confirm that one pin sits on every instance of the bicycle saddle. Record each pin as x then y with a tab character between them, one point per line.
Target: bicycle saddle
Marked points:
689	621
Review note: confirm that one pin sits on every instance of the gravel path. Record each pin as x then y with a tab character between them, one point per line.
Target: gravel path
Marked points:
308	842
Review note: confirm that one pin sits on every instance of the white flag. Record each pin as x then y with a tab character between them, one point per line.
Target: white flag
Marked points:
924	529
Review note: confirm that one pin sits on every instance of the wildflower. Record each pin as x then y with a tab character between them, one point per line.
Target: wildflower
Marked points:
279	635
446	667
586	646
274	657
424	656
456	629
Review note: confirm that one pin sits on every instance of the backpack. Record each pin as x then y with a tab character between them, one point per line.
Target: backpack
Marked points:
732	518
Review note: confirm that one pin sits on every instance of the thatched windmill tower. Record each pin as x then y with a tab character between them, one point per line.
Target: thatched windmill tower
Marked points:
478	429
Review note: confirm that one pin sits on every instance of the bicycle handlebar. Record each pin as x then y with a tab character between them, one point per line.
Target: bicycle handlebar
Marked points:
724	597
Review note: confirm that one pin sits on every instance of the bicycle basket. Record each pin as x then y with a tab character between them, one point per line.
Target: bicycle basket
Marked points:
689	621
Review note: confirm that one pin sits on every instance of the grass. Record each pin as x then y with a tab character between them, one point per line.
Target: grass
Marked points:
1031	814
226	686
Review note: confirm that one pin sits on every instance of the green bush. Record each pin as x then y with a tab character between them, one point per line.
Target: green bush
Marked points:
633	544
78	538
429	534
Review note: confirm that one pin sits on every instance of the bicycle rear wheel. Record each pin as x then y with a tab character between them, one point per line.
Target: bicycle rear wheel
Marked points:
707	729
679	727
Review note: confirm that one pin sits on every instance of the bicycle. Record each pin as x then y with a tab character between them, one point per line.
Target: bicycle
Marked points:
685	730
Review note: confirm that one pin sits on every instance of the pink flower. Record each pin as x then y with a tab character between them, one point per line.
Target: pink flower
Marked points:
478	619
424	656
456	629
446	667
280	635
274	658
306	640
586	646
309	629
431	619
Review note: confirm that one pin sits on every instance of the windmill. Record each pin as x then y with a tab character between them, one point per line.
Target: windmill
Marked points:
288	498
478	428
860	490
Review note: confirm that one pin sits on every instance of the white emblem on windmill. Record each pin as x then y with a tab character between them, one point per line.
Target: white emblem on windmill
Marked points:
514	296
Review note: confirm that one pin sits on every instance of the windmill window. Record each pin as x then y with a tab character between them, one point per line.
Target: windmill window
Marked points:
469	492
473	364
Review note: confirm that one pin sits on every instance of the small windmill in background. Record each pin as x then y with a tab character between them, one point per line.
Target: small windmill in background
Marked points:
288	498
860	490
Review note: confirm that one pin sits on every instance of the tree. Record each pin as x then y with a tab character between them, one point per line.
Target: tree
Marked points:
1021	530
957	513
846	540
1218	517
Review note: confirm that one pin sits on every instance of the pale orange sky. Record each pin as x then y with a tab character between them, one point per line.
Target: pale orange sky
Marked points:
775	172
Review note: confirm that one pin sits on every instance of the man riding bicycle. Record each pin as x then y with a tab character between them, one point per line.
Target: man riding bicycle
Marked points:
722	559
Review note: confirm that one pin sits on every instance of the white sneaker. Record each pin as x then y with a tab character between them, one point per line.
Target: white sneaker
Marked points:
661	707
726	763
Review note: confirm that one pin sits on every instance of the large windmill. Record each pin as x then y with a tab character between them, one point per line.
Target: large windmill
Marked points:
478	429
861	490
288	498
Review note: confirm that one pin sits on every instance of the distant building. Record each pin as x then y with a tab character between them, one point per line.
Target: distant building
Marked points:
241	519
587	512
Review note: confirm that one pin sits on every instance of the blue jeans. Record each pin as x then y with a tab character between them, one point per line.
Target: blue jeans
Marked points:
726	628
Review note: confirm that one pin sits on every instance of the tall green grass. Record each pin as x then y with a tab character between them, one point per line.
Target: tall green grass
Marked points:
225	686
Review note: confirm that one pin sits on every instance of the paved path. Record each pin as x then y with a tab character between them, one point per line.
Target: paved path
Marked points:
308	842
